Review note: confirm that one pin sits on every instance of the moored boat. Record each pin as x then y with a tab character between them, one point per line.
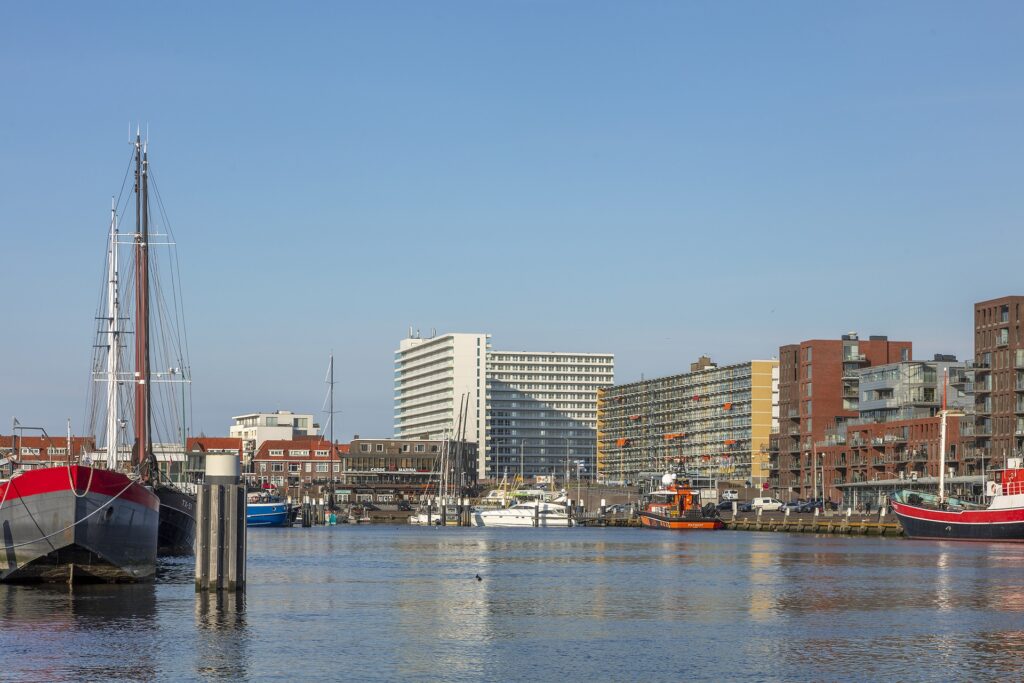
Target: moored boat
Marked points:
535	513
925	515
76	523
262	509
677	506
929	516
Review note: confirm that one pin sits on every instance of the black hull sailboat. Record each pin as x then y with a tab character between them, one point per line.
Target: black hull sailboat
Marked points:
177	534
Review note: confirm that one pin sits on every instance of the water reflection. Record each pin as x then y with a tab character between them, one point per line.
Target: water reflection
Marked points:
45	625
222	635
396	603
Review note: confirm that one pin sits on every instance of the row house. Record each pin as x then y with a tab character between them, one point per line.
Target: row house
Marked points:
30	452
296	462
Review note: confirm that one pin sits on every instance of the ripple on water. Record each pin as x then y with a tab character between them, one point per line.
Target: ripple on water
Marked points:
377	603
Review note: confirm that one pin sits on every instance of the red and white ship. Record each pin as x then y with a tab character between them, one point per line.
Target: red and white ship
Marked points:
74	521
937	516
931	516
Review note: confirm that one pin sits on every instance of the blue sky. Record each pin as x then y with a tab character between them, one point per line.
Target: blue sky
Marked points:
656	180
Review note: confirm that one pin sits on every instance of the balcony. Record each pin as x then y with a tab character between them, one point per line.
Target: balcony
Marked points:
1019	386
855	358
982	365
983	430
983	386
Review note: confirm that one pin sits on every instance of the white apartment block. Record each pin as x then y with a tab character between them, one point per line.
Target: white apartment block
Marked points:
255	428
542	412
432	377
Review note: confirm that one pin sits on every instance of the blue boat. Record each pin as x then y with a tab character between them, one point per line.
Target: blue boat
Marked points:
263	509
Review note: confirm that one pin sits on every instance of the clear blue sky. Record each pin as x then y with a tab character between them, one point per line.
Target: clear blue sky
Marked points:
656	180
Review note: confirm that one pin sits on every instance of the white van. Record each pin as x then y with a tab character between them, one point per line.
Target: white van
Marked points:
730	494
769	504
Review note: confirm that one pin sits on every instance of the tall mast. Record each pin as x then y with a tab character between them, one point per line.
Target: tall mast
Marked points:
942	441
332	424
142	411
113	341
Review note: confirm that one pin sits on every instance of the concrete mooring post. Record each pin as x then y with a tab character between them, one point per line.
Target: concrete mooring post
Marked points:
220	527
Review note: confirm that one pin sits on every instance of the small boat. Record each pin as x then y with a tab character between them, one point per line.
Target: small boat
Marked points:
534	513
262	509
677	506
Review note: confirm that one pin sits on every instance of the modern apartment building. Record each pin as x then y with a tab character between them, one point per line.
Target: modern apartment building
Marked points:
896	435
255	428
432	379
713	421
542	412
819	387
998	379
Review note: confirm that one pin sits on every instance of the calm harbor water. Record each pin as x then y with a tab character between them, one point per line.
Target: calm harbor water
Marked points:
400	603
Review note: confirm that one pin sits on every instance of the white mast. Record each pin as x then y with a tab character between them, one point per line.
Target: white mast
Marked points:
114	342
942	442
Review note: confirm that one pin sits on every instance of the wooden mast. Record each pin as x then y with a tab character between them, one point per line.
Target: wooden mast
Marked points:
142	378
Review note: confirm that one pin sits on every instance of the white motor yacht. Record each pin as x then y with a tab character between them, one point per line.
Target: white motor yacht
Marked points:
528	514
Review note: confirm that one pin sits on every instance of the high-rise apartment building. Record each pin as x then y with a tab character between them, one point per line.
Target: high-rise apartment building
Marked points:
433	378
819	387
542	412
713	421
527	411
998	379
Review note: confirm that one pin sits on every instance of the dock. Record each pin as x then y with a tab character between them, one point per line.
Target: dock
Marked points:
831	523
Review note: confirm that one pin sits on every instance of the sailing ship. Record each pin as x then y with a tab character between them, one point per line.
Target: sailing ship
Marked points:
925	515
80	522
677	506
152	337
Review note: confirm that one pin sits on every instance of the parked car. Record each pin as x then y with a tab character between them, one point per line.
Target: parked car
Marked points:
726	505
766	504
730	495
795	506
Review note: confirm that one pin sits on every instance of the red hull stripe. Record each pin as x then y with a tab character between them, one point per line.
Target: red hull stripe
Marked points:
1007	516
54	479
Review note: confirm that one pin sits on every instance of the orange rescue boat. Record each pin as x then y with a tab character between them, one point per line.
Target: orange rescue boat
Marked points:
677	506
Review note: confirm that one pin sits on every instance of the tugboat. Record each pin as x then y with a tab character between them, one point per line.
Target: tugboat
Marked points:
677	506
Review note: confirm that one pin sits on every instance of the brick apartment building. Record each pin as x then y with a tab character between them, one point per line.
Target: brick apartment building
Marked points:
818	389
998	379
298	462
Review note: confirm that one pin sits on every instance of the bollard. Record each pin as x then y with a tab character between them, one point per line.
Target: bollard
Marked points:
735	506
787	511
881	513
220	527
815	512
849	511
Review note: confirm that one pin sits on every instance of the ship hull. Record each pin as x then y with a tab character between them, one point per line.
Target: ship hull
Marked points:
974	525
268	514
656	521
77	524
177	534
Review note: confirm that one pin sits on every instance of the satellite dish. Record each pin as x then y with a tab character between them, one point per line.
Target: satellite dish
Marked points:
668	479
